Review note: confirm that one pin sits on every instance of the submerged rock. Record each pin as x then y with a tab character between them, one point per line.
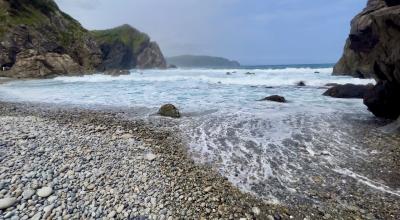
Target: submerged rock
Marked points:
274	98
301	83
348	91
383	100
169	110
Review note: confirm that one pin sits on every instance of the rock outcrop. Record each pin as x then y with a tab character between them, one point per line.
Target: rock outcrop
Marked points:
373	50
37	39
34	34
125	47
348	91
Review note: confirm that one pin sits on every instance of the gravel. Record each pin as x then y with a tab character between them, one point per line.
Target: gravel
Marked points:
72	163
84	164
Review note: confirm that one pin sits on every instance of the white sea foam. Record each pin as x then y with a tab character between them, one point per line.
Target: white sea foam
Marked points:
265	148
269	77
364	180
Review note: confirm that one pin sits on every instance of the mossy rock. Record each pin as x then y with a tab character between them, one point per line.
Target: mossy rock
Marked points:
169	110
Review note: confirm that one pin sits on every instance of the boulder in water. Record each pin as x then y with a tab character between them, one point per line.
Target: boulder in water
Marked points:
301	83
348	91
274	98
383	100
169	110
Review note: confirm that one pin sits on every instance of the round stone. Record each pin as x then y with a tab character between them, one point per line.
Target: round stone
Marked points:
45	192
7	202
28	193
169	110
256	210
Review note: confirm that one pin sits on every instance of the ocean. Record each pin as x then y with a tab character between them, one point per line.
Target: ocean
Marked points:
273	150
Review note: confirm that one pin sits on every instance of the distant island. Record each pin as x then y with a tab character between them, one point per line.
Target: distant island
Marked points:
193	61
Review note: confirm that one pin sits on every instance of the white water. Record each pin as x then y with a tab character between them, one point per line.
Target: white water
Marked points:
263	147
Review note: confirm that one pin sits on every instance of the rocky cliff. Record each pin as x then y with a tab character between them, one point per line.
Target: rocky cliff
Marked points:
125	47
37	39
373	50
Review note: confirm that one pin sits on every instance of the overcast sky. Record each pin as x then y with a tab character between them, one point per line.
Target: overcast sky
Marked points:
250	31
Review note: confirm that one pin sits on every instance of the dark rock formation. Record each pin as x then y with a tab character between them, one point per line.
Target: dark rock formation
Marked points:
274	98
125	47
373	50
38	40
348	91
301	83
169	110
383	100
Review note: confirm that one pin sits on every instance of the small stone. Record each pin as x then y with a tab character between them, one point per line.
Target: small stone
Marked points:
37	216
28	193
9	214
270	217
15	217
47	210
52	199
45	192
126	136
111	214
256	210
90	187
208	189
120	208
7	202
150	157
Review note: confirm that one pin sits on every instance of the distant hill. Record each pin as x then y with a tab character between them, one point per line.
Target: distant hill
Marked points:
202	62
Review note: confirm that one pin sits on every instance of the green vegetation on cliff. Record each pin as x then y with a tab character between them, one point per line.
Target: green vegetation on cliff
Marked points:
37	39
40	14
129	36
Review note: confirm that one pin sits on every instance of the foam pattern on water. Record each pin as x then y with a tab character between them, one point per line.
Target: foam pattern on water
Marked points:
276	151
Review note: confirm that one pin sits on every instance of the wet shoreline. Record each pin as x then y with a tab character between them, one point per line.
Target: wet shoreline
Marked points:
187	176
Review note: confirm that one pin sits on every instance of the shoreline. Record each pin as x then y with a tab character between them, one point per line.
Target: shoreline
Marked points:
183	188
193	188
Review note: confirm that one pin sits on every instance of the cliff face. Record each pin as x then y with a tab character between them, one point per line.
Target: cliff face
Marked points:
125	47
373	50
38	40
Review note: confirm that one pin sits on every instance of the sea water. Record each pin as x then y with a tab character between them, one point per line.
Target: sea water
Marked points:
273	150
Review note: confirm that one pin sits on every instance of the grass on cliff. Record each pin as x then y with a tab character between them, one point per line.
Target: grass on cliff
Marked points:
38	15
125	34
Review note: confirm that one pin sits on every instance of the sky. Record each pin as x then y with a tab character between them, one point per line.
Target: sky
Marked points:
253	32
